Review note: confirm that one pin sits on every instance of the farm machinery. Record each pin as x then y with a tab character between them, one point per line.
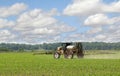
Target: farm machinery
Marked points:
69	50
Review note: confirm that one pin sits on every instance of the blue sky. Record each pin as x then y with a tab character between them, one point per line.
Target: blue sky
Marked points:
39	21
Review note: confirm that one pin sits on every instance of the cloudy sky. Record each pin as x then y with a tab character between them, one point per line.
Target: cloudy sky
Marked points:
39	21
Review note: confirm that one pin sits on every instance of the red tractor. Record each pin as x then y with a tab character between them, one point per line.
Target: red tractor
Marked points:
69	49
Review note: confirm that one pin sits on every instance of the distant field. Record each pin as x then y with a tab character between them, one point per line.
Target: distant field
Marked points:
27	64
102	54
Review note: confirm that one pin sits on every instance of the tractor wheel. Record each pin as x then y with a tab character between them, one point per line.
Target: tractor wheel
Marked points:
68	55
56	55
79	55
65	55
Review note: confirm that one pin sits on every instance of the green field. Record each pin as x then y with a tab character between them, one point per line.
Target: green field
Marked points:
27	64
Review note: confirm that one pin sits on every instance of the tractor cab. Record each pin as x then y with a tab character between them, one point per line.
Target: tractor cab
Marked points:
64	45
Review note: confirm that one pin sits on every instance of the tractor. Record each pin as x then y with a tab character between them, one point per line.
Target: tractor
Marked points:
68	50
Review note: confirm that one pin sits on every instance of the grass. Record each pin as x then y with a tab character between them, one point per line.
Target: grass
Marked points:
26	64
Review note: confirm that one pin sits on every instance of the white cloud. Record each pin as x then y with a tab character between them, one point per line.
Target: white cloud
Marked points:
5	23
6	36
43	31
94	30
113	33
97	34
37	24
102	18
100	37
113	7
100	32
104	33
82	7
35	18
88	7
98	20
12	10
53	12
33	26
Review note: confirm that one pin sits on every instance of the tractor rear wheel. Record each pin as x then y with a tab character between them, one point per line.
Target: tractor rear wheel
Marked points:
68	55
65	55
79	55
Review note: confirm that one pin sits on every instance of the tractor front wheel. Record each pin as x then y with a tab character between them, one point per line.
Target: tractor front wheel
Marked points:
56	55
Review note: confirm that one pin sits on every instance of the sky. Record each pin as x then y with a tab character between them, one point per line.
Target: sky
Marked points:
48	21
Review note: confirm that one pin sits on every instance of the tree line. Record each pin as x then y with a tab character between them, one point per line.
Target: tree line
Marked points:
52	46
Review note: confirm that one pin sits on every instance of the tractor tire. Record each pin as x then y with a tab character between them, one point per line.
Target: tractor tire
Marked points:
68	55
56	55
79	55
65	55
